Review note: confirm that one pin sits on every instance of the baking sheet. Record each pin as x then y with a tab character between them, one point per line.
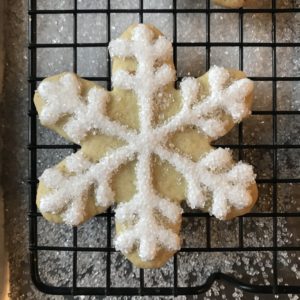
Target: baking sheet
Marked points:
193	268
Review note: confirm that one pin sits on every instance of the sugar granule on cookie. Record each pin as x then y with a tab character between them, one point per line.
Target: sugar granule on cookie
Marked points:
145	146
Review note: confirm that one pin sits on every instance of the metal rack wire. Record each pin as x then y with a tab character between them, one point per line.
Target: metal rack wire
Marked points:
275	287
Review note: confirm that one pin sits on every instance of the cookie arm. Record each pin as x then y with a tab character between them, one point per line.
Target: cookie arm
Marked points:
226	101
65	88
90	209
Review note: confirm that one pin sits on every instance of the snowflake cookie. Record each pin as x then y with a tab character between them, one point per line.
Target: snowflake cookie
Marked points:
145	146
230	3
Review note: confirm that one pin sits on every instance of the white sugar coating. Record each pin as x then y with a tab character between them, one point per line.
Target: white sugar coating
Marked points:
215	159
214	178
232	99
217	78
70	190
62	103
216	172
91	116
127	211
52	178
206	114
84	116
68	195
148	234
190	90
147	79
77	163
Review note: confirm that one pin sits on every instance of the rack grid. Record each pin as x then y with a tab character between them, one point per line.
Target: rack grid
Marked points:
33	146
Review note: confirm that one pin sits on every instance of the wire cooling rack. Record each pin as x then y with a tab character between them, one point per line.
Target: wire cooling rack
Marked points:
174	289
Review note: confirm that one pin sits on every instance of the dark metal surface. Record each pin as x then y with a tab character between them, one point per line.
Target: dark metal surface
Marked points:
274	287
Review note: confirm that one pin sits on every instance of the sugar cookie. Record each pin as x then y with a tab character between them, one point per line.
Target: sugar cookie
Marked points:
145	146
